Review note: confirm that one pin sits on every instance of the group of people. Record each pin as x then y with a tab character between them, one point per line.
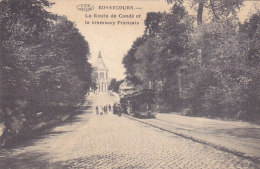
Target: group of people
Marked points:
101	110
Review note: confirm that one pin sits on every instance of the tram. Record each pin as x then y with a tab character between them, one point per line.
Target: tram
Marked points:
140	104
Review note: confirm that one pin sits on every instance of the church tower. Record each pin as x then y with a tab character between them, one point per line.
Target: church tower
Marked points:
100	74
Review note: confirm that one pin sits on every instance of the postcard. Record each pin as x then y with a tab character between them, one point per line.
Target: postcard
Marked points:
129	84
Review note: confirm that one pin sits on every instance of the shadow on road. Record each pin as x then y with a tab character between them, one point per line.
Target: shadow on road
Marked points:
28	160
8	159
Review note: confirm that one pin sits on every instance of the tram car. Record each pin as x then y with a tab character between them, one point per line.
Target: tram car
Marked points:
139	104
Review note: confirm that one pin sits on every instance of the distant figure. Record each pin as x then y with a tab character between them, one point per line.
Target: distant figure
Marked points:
97	112
119	110
105	109
114	109
109	107
102	110
129	109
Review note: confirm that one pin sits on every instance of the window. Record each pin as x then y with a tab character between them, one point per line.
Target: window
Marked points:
95	75
101	75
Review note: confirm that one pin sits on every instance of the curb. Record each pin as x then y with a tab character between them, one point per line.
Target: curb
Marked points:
218	147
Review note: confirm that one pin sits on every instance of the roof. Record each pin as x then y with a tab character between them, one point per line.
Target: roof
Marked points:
100	65
126	85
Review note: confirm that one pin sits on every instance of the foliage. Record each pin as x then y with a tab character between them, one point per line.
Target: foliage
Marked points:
156	56
219	77
213	68
114	85
250	35
44	65
217	9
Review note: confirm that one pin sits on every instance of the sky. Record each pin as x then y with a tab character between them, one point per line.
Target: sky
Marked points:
114	40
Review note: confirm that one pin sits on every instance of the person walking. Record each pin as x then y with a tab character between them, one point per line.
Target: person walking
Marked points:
101	110
109	107
105	109
114	109
97	112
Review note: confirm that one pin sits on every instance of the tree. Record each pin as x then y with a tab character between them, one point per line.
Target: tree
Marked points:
44	64
212	68
19	29
114	85
130	61
250	36
216	81
218	9
157	58
250	28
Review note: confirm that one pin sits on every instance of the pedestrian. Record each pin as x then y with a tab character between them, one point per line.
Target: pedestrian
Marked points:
119	109
105	109
109	107
97	112
101	110
114	109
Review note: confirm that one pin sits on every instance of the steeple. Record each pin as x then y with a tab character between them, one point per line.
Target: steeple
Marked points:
100	65
99	55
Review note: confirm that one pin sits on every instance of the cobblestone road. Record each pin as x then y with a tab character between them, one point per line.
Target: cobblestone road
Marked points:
245	136
110	141
117	142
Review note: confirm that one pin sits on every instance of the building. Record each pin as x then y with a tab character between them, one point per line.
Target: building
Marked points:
100	75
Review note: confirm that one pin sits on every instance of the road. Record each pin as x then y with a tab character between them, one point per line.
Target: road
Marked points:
110	141
240	137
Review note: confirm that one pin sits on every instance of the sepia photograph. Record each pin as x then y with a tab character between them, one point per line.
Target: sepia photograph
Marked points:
130	84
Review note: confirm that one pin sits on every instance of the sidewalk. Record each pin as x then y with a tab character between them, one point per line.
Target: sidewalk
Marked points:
240	137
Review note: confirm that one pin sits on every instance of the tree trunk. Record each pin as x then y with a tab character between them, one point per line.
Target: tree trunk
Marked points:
200	12
213	10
